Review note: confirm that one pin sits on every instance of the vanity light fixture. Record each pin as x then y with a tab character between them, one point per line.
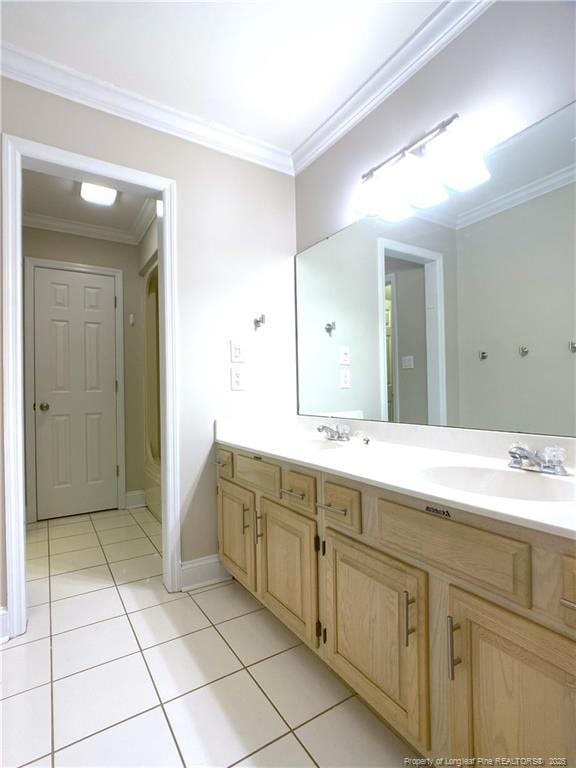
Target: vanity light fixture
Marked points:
420	174
94	193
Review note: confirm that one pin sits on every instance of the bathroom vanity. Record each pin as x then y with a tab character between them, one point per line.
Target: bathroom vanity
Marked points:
452	614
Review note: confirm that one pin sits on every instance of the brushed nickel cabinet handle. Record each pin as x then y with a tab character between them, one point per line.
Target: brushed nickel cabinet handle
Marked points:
257	534
245	525
290	492
565	603
452	662
330	508
407	601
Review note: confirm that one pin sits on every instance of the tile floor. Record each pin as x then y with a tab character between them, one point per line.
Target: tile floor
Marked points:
114	671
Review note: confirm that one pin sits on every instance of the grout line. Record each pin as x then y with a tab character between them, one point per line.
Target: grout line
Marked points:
51	662
143	657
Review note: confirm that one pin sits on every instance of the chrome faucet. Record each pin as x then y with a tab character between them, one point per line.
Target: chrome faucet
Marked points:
550	461
338	432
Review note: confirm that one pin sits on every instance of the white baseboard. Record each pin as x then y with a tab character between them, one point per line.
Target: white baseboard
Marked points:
135	499
202	572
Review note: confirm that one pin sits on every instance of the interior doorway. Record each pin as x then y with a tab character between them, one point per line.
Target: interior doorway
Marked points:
82	290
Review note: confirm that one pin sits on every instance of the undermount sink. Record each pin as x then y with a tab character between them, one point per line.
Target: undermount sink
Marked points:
507	483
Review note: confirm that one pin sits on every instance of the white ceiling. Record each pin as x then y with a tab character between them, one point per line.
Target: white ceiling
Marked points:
271	71
52	202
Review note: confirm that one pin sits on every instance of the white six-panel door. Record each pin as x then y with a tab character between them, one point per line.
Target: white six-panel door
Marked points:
75	392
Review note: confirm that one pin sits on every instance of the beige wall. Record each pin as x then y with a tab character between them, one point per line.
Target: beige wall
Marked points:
235	244
516	286
517	55
41	244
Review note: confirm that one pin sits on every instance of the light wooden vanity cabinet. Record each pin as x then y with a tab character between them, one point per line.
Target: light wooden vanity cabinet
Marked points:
258	473
288	567
375	617
299	491
513	692
237	531
342	506
225	463
568	598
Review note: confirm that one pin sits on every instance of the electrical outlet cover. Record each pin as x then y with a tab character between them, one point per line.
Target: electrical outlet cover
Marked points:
236	378
344	355
236	351
344	378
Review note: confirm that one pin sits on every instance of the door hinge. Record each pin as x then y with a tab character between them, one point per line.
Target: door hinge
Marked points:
116	385
34	406
324	635
117	470
323	548
316	543
318	629
115	301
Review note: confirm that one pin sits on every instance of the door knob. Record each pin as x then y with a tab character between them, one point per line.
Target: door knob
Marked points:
44	406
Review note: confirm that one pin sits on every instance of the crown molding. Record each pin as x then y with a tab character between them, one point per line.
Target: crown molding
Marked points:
145	217
38	72
436	33
518	196
68	227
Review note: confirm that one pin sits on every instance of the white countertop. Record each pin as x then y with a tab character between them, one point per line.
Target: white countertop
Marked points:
407	469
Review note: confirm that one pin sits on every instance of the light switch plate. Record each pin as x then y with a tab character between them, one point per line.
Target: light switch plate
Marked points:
236	378
344	355
344	378
408	361
236	351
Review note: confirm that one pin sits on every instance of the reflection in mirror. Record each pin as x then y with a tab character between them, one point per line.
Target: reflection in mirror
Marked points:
462	315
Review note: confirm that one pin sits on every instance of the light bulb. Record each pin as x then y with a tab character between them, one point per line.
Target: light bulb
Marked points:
459	164
422	181
94	193
384	195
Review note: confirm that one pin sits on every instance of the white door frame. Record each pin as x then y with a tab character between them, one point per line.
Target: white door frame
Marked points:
391	278
433	263
30	379
18	153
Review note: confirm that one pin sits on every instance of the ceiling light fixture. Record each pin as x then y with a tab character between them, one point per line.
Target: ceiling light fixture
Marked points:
94	193
420	174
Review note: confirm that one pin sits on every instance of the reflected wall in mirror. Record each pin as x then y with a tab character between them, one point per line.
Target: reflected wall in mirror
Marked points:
463	315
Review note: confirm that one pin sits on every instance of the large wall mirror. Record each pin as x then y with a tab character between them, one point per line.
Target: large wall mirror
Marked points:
463	315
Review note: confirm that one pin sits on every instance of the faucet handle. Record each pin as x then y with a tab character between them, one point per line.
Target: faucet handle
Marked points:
554	455
343	429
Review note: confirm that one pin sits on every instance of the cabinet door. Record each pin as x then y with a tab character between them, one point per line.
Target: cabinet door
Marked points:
514	689
288	568
375	614
236	532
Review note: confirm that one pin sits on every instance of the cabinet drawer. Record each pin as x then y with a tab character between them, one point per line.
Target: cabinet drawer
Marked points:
343	506
299	491
568	599
492	562
224	463
252	470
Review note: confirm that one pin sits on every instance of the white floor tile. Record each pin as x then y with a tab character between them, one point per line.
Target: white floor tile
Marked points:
145	593
119	520
167	621
71	543
103	514
37	592
142	515
137	568
79	582
227	602
189	662
299	684
55	522
223	722
26	726
92	645
37	568
123	550
125	533
92	700
38	627
73	529
36	549
24	666
76	561
257	635
287	752
157	541
85	609
351	735
143	741
36	534
151	527
44	762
